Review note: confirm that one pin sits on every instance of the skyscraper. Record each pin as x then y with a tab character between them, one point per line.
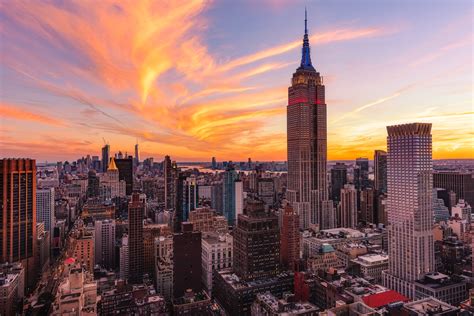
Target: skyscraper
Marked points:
136	210
460	182
338	180
45	208
361	177
93	184
170	172
104	243
256	243
229	194
307	140
105	157
409	206
187	268
136	159
380	171
348	207
18	214
125	168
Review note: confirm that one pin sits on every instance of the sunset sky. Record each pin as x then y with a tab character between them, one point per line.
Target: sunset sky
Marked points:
196	79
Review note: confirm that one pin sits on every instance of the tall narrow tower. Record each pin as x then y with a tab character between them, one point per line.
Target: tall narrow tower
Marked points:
307	142
409	206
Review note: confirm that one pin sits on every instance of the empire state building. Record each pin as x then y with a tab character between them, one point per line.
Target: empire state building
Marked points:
307	189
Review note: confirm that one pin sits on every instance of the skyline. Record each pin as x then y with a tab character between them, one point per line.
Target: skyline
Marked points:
198	83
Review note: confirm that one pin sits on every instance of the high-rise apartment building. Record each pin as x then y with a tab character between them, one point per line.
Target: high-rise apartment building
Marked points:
136	211
256	242
409	206
105	157
380	171
105	243
18	214
289	239
45	208
338	180
307	141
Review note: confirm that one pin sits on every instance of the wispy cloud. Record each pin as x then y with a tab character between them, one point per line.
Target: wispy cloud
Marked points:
11	111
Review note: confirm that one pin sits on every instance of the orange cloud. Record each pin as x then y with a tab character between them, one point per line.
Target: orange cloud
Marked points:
14	112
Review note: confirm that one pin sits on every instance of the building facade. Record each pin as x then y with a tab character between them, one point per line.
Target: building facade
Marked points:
18	214
409	206
136	210
307	141
380	171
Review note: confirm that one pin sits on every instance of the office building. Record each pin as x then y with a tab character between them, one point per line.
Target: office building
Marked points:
105	157
45	208
367	209
409	206
104	245
230	189
347	213
93	184
452	290
307	141
217	252
207	220
256	243
266	191
370	266
338	180
125	169
164	266
18	214
289	239
361	173
136	210
187	266
136	159
380	171
170	171
461	183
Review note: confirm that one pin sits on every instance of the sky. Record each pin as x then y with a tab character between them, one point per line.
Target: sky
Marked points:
196	79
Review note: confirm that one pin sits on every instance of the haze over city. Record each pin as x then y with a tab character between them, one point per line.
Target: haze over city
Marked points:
209	78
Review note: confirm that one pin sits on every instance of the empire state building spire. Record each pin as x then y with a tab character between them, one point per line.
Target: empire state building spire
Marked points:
305	53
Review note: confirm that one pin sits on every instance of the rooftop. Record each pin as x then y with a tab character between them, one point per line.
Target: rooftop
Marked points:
429	305
378	300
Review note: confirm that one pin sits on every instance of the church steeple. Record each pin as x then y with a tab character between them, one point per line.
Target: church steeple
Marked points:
305	53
